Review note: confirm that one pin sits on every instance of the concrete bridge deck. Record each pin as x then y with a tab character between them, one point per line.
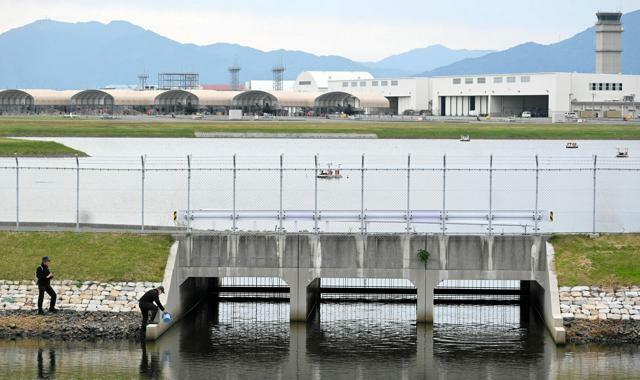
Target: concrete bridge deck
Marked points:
301	259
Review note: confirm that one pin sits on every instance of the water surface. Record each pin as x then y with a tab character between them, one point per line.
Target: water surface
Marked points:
344	340
116	196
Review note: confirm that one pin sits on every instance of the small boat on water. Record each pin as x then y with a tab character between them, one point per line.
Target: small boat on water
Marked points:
330	173
465	138
572	145
623	153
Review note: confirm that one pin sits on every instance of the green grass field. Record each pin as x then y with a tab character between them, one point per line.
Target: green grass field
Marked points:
57	127
84	256
609	260
26	148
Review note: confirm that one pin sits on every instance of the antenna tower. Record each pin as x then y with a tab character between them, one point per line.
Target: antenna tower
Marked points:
234	70
278	75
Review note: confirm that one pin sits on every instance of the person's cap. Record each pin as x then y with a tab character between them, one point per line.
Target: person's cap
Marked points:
161	288
45	258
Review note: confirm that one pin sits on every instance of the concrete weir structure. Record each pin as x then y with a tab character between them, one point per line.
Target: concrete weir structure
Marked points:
197	261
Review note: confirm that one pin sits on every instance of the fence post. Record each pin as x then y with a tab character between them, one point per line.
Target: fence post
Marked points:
444	194
362	225
536	229
234	227
408	227
77	193
315	196
281	211
142	172
595	169
17	194
490	194
188	193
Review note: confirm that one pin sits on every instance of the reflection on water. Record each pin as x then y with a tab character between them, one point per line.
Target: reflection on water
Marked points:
343	340
50	370
149	366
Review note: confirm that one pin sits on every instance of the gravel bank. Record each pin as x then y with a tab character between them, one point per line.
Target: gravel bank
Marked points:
581	331
70	325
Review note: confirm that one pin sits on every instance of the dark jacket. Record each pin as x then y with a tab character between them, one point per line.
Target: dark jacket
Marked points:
152	296
41	274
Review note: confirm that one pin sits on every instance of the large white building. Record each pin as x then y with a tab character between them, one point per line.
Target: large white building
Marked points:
604	94
542	94
318	81
403	93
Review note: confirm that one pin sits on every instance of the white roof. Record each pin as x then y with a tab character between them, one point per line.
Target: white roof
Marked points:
215	98
267	85
322	78
367	99
119	97
41	97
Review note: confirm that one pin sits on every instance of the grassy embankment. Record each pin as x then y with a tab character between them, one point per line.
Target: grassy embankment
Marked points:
85	256
609	260
56	127
27	148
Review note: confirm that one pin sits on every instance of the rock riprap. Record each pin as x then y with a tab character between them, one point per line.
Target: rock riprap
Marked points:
115	297
600	303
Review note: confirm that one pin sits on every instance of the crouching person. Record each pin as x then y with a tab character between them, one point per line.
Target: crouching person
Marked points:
150	302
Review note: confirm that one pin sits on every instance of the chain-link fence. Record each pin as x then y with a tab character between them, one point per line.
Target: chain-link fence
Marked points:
340	193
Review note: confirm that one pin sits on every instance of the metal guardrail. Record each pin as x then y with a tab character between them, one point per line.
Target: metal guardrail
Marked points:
513	218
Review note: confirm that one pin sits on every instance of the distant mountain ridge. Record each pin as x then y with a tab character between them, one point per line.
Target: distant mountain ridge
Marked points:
59	55
575	54
427	58
52	54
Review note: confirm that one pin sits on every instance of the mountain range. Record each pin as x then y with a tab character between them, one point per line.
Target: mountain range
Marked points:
575	54
428	58
59	55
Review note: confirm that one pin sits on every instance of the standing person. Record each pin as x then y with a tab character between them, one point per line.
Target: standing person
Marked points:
44	277
148	303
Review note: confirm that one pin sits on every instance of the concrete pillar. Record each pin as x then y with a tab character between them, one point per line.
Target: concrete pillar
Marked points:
304	297
424	309
313	296
431	282
425	283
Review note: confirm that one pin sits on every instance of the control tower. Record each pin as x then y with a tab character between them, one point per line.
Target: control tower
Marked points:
609	43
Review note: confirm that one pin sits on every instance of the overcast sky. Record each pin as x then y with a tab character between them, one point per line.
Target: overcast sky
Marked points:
358	29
